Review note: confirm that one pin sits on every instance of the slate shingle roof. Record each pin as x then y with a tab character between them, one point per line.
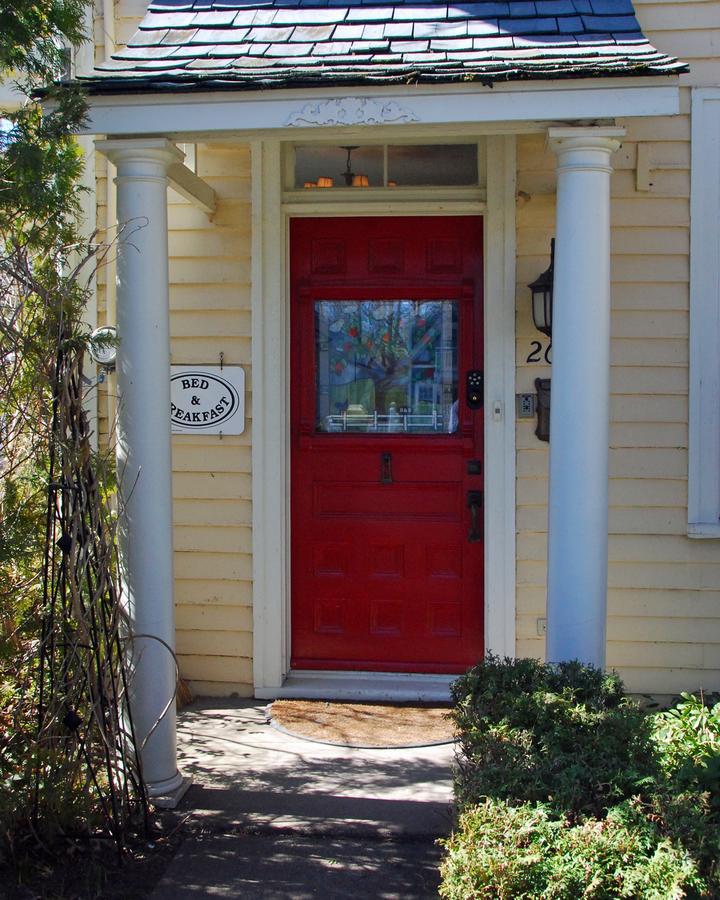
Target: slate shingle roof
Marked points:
283	43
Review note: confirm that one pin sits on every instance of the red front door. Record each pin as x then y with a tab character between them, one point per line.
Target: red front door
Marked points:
387	550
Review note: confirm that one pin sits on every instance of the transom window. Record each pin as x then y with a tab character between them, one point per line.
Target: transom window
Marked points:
320	166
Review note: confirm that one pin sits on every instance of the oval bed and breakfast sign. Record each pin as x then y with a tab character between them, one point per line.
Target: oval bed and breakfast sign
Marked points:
207	399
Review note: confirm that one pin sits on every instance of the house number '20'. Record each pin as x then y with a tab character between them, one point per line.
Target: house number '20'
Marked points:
537	354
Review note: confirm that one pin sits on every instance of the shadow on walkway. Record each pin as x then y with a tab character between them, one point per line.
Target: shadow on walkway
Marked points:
280	817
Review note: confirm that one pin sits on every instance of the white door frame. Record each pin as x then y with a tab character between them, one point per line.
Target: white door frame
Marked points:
271	410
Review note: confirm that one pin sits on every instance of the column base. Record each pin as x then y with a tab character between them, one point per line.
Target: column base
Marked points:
167	794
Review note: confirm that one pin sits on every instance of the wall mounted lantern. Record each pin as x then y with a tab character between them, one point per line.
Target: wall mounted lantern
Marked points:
542	296
102	347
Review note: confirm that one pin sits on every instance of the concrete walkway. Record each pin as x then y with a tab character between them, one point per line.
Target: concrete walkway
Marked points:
279	817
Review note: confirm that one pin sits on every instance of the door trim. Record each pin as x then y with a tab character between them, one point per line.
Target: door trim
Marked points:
271	419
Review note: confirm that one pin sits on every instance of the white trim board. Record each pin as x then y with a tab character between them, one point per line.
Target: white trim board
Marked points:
704	420
298	111
271	429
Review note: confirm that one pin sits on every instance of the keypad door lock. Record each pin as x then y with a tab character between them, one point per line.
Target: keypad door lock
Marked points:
474	388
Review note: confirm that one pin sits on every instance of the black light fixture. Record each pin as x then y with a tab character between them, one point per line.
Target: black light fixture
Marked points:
348	174
542	296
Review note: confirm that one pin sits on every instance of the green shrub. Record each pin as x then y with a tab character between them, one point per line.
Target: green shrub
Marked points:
535	732
567	789
687	801
509	853
688	736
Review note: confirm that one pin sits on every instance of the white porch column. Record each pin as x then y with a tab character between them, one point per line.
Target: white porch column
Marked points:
580	400
143	448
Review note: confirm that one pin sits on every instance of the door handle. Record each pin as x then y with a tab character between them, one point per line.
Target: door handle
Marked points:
386	476
475	504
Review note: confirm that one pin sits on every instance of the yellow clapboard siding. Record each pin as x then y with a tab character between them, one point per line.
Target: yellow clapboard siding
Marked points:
643	434
222	669
204	350
223	642
209	441
533	154
668	604
624	492
642	241
625	463
662	183
655	654
217	566
656	573
646	210
687	44
526	628
223	243
125	28
531	572
685	576
647	492
661	324
201	592
652	520
662	17
531	600
210	297
640	548
648	380
197	270
212	512
532	462
210	323
200	688
223	161
209	457
212	485
665	268
650	296
532	547
223	539
645	628
531	518
649	241
639	352
648	463
626	630
228	212
532	649
538	212
229	188
213	618
648	408
667	681
132	9
657	128
703	72
663	154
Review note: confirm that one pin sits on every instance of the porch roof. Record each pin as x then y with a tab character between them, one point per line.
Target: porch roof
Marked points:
215	44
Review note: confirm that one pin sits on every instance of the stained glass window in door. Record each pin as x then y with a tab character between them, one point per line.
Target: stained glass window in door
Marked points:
386	366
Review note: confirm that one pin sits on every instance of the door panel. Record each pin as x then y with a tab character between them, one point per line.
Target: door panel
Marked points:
386	319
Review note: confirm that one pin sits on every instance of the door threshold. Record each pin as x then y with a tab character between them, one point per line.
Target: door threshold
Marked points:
363	686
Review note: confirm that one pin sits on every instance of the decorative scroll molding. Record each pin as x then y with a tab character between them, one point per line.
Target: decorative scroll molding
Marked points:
351	111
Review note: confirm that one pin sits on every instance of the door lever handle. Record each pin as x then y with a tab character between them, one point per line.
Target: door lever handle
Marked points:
386	476
475	504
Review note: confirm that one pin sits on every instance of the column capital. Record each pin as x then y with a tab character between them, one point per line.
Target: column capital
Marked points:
154	151
585	147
